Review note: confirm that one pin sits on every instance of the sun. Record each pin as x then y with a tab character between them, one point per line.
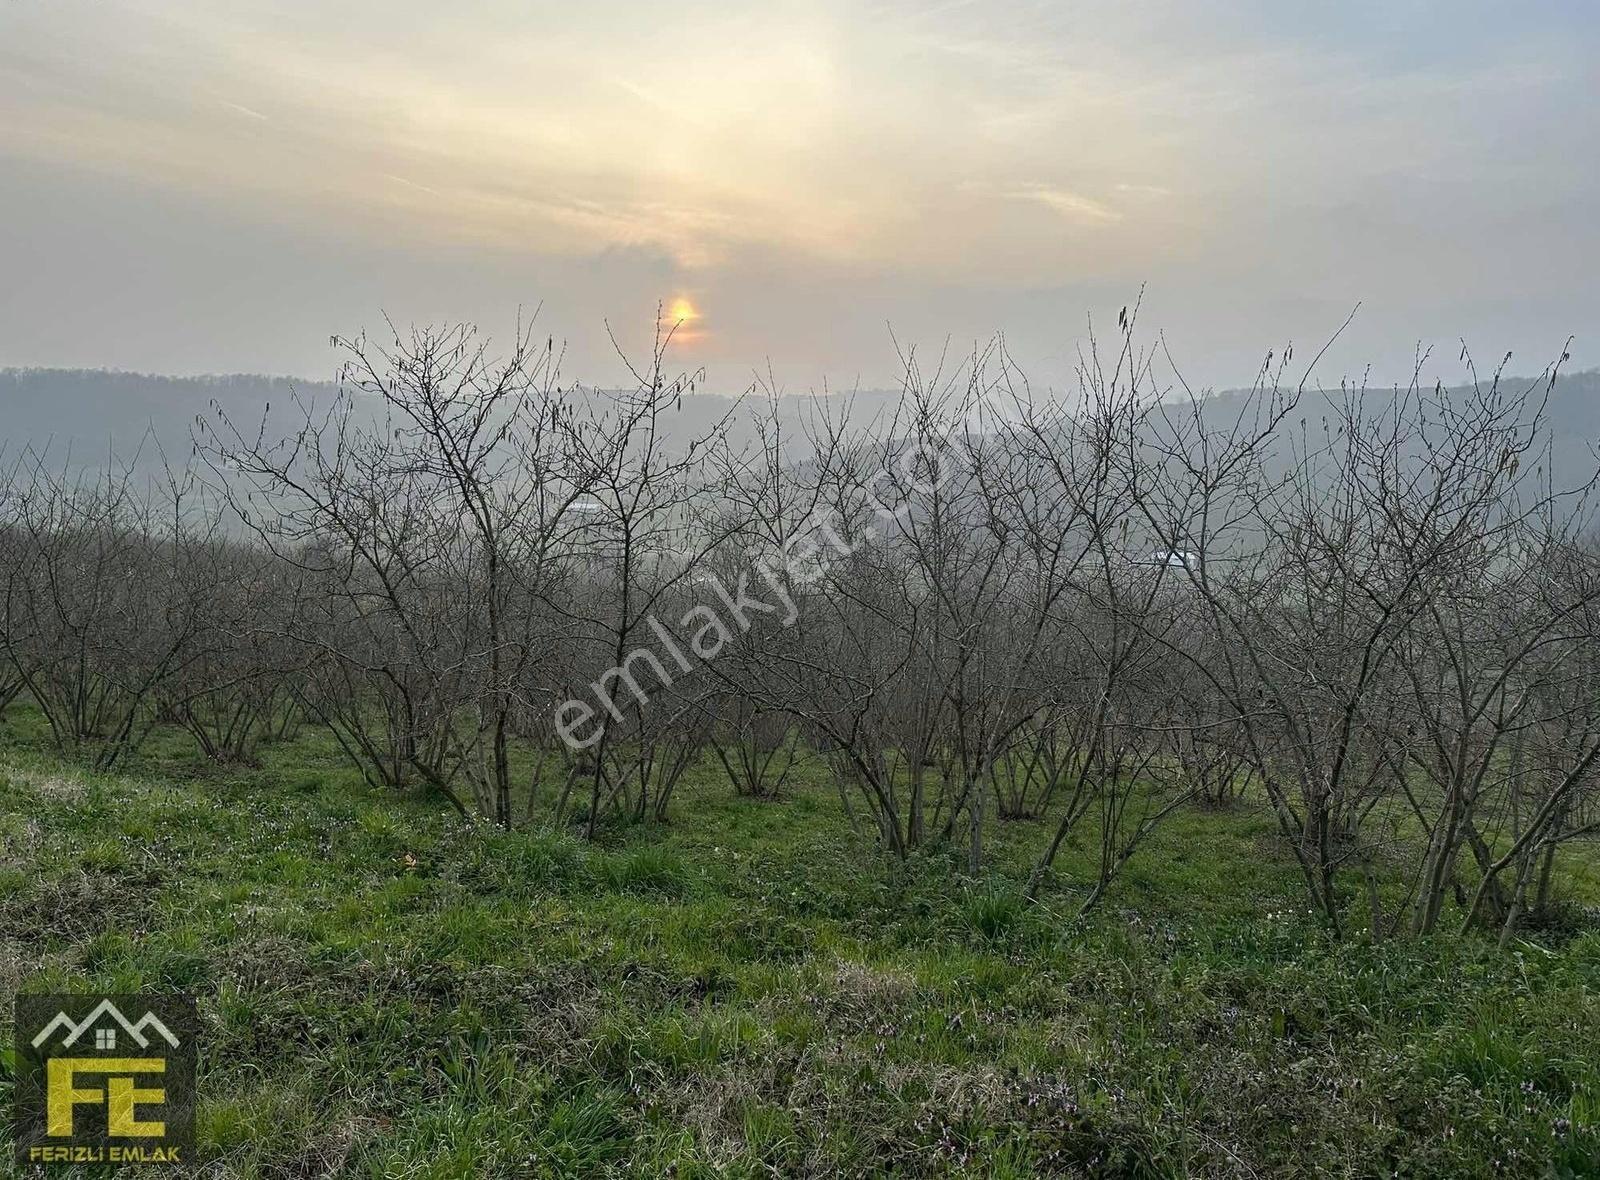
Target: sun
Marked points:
682	312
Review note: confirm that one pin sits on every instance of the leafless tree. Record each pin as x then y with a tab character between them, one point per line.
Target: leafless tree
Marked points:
428	510
649	519
100	607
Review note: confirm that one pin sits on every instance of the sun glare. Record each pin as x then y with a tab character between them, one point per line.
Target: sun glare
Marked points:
681	311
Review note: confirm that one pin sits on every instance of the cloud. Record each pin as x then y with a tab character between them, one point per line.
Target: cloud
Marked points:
1143	190
1073	206
1243	150
244	110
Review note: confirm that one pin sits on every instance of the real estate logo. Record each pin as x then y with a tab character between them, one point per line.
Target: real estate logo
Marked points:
105	1079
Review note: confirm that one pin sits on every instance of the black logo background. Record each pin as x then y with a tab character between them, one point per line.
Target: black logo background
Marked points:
35	1012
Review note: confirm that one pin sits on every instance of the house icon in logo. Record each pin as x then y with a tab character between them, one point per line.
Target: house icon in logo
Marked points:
106	1021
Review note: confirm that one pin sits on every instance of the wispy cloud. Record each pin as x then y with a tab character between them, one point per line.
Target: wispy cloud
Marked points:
1143	190
244	110
1073	206
432	192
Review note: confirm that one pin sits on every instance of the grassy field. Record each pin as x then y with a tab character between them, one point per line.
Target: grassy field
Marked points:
753	990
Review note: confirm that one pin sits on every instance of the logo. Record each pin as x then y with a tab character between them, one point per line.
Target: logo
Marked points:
105	1079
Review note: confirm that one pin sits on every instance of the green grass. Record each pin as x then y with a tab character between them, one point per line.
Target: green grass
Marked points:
754	990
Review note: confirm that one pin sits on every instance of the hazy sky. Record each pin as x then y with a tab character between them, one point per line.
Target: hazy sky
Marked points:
191	187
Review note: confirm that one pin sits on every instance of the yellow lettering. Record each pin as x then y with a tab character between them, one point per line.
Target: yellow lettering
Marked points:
121	1120
61	1096
62	1092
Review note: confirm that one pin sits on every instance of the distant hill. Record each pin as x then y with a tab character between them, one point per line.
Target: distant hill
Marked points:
1572	414
90	413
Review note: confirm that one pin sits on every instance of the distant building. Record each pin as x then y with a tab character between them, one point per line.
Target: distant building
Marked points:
1173	559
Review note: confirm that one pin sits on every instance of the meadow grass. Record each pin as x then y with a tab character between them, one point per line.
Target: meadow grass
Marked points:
754	989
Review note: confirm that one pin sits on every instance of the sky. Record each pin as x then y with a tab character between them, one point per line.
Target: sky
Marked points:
811	188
